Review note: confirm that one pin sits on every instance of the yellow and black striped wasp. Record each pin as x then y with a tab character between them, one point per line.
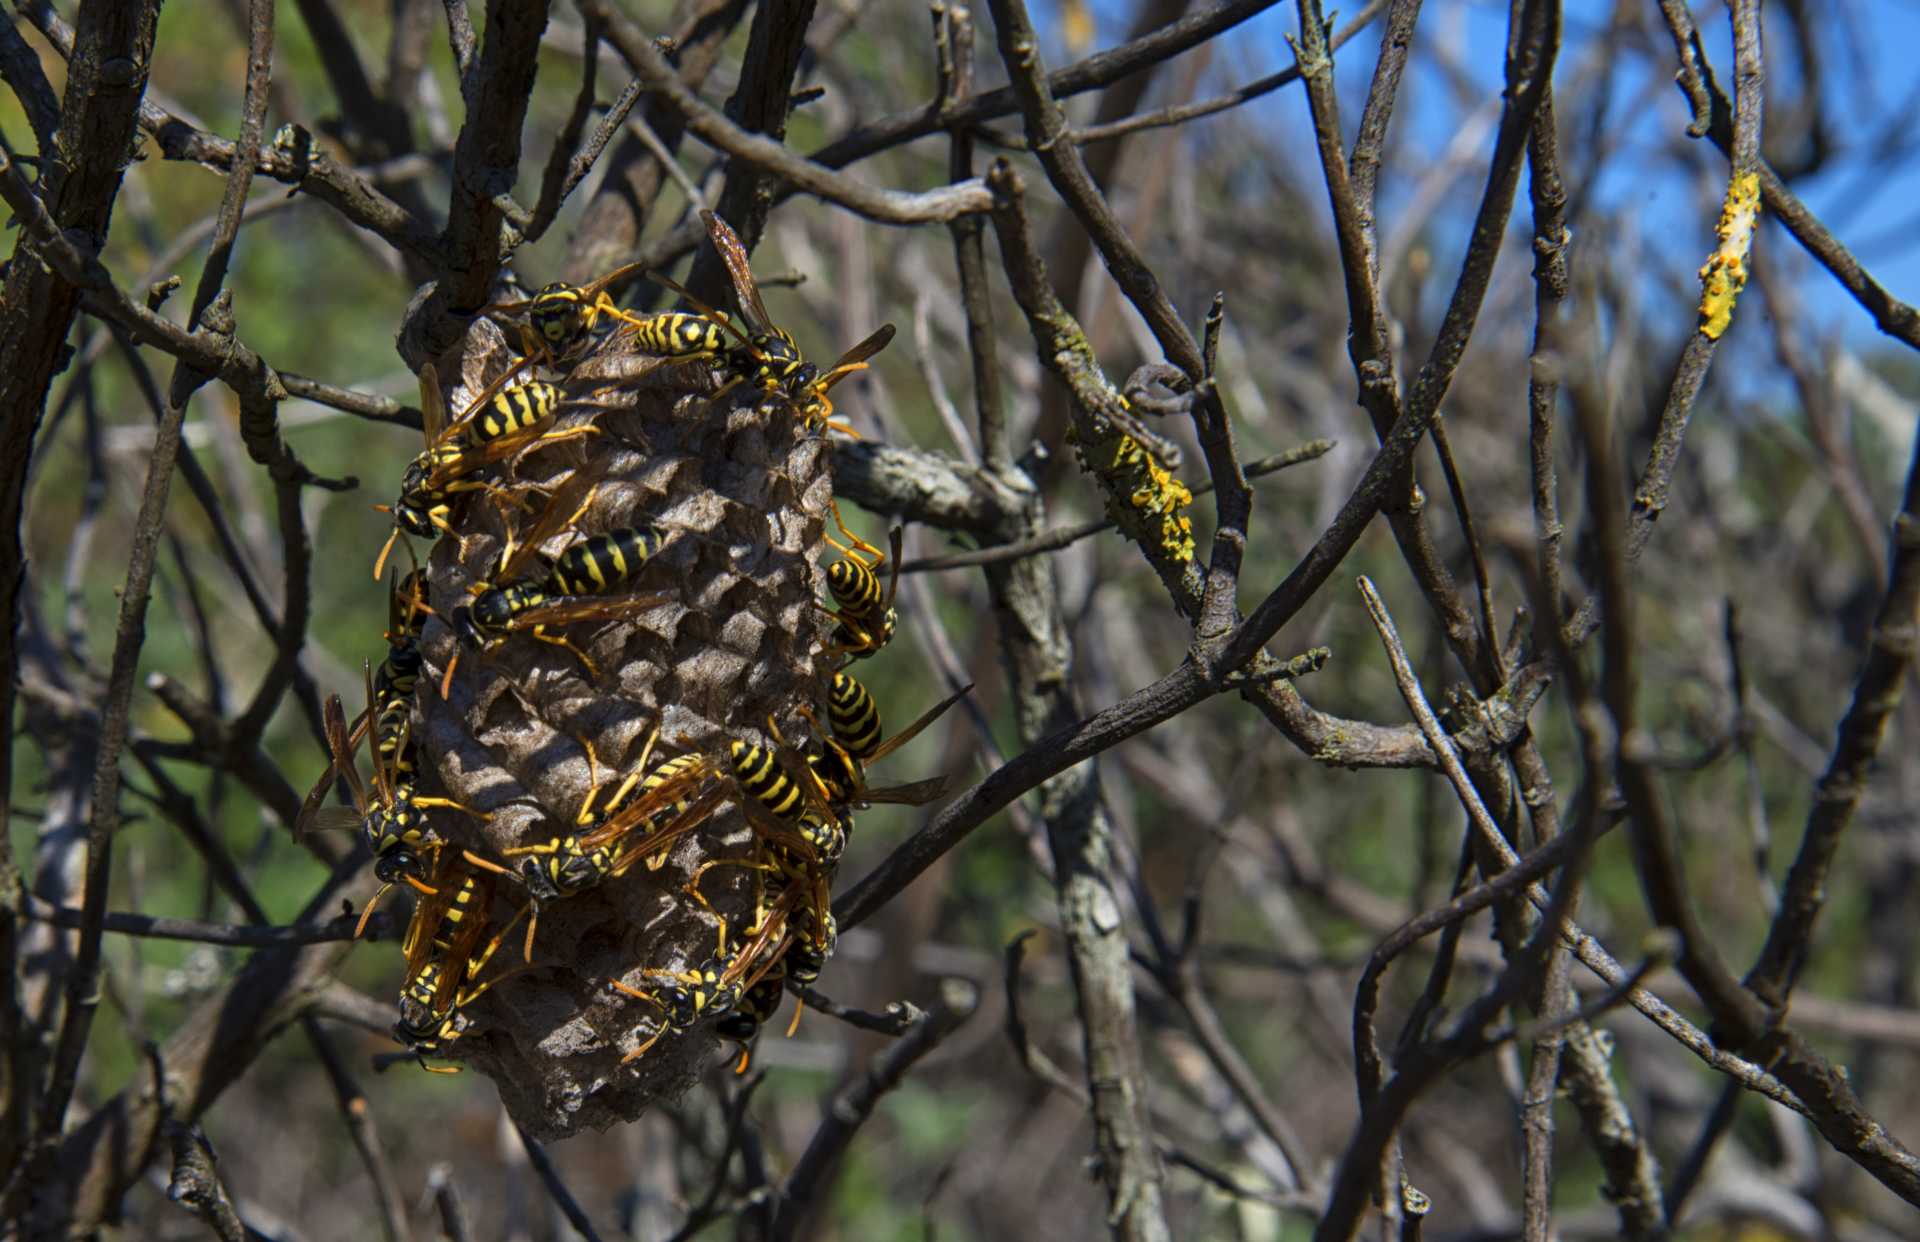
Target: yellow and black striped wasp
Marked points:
784	879
766	355
657	803
784	804
505	422
390	819
715	985
399	672
444	961
581	584
863	610
561	316
755	1009
853	742
391	713
802	956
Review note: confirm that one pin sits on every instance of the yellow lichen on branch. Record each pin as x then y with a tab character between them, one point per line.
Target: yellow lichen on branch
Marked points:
1143	497
1158	496
1725	272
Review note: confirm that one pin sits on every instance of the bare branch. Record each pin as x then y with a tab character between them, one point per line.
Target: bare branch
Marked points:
844	1116
808	176
487	155
550	1178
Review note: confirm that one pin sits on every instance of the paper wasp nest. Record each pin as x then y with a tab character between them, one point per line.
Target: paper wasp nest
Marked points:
744	490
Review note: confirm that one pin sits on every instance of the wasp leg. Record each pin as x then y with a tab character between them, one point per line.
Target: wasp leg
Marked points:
867	553
559	640
550	438
490	865
451	805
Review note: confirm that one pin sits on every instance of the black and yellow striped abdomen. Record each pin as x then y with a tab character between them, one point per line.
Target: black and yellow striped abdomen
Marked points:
856	588
760	774
679	334
854	717
393	685
667	770
606	562
458	912
660	775
419	1020
514	409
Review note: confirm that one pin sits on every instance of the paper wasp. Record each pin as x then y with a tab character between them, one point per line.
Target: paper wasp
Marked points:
854	742
713	987
803	953
561	315
392	695
574	862
506	421
816	806
766	356
399	672
442	965
864	610
390	820
802	958
755	1009
572	588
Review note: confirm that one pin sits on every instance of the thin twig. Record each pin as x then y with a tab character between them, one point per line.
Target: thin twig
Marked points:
234	935
446	1201
712	127
1066	536
896	1021
556	1188
195	1185
1194	28
1046	130
358	1116
845	1114
82	995
1038	1063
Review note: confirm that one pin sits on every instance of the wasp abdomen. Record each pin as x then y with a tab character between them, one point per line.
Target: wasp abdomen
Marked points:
517	408
761	775
606	562
679	334
854	716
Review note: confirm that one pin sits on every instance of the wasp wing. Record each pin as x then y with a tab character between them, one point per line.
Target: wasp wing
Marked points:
433	405
856	358
341	743
572	608
914	793
589	292
733	253
563	507
926	718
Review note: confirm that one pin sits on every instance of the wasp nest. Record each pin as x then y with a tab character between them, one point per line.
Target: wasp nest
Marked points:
739	486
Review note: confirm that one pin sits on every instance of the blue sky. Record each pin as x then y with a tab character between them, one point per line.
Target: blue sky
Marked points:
1871	200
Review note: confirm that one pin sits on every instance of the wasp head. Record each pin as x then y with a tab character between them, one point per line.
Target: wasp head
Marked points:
397	862
478	625
556	314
